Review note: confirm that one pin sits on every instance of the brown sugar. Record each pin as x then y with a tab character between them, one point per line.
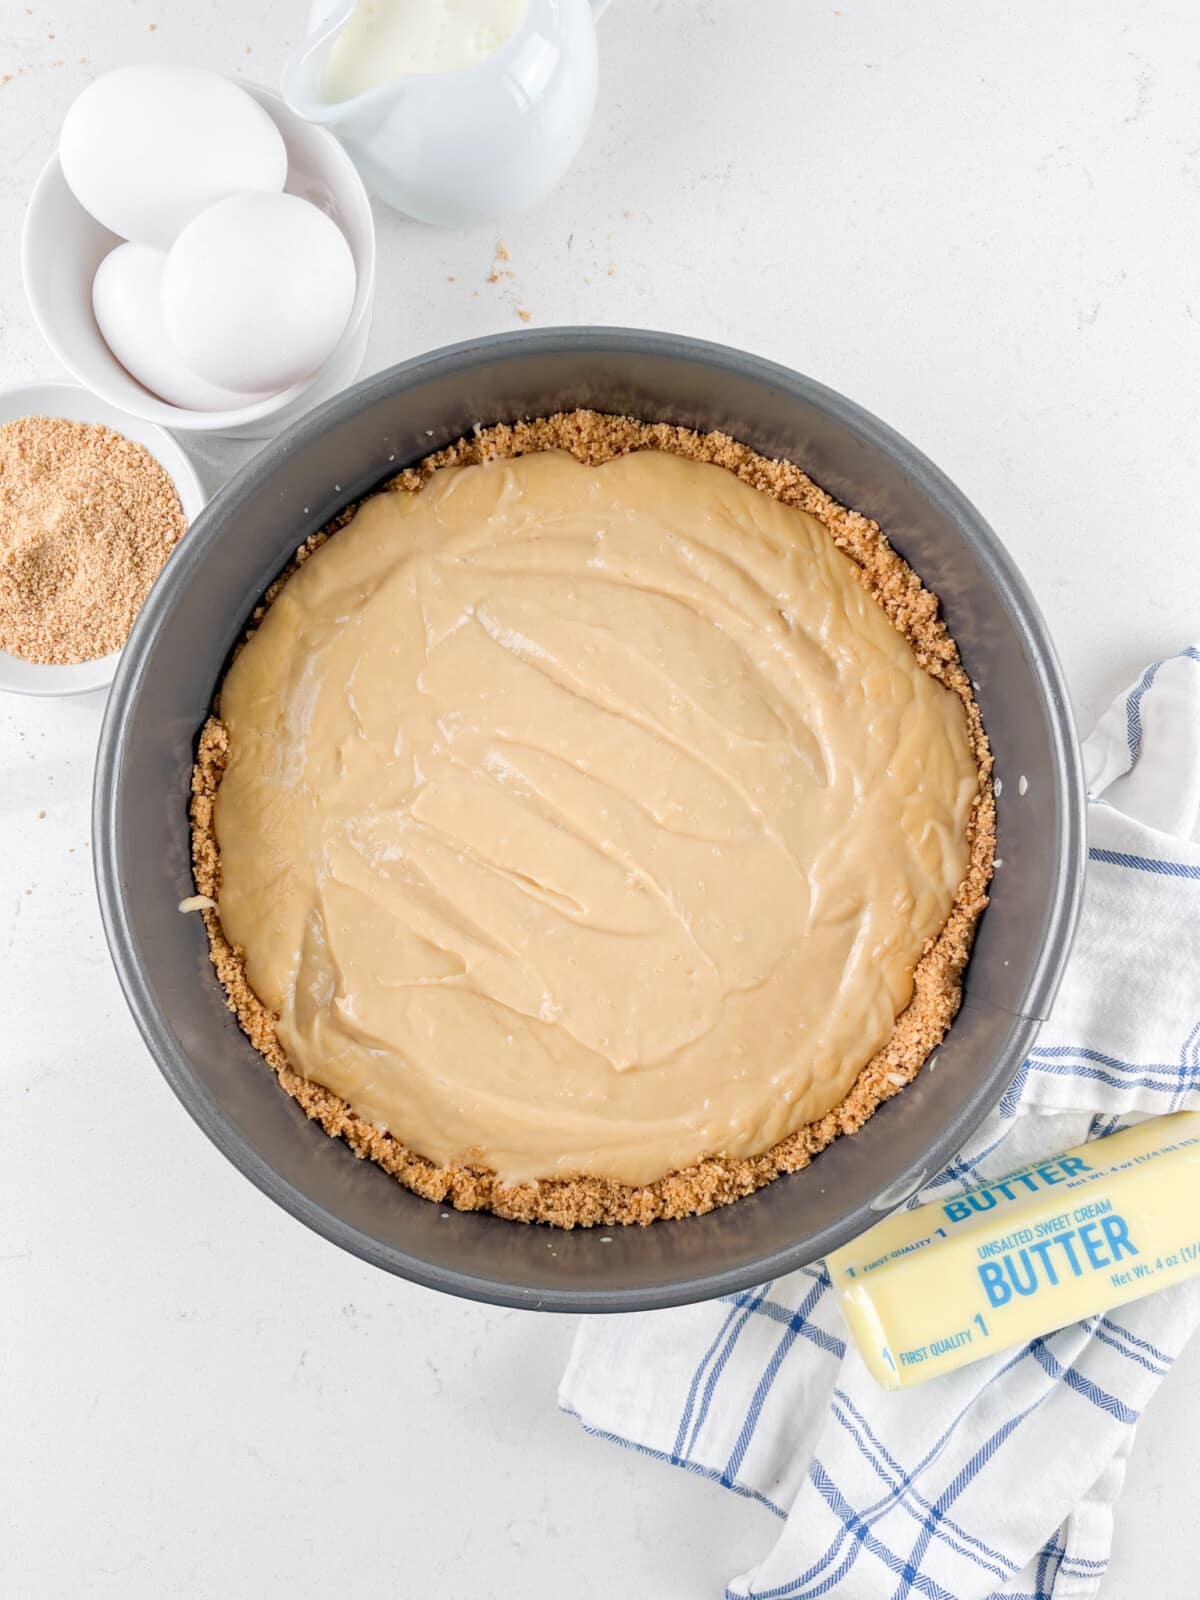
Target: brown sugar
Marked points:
87	519
937	978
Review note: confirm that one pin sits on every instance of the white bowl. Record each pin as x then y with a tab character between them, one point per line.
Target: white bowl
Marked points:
77	405
62	245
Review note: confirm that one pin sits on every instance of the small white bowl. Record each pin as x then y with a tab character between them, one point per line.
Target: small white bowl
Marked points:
77	405
62	245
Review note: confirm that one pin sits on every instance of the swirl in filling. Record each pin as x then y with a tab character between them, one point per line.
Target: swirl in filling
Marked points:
586	820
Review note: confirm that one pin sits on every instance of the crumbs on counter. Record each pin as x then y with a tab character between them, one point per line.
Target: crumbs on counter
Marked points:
500	272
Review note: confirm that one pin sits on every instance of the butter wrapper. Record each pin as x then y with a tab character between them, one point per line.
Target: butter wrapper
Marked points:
934	1288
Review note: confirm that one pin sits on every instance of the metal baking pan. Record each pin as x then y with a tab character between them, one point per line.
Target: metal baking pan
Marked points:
175	657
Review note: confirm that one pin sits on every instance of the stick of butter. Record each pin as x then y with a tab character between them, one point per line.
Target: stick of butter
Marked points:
932	1289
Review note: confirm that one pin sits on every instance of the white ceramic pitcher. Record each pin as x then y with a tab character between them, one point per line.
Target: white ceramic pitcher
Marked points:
461	147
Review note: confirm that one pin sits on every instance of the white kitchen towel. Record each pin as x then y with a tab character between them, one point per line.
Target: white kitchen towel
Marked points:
1000	1479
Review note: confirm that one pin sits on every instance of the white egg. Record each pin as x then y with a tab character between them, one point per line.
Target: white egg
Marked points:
145	148
126	299
257	291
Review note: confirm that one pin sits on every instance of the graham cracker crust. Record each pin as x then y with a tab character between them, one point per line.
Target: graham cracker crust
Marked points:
594	438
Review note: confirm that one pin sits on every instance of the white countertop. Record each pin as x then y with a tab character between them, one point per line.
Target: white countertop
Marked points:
980	222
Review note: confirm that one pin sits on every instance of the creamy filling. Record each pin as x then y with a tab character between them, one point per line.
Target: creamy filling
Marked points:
586	820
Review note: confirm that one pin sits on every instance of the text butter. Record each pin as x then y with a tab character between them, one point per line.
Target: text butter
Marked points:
931	1289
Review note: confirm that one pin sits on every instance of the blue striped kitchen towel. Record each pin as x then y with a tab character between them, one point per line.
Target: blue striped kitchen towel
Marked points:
1000	1479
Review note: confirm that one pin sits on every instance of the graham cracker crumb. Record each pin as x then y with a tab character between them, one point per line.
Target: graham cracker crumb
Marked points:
593	438
87	519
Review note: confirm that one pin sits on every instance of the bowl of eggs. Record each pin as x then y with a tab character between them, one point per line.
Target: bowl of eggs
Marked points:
198	255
